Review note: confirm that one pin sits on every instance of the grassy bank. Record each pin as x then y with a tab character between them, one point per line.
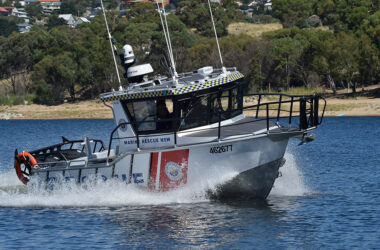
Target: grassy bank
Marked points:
79	110
253	30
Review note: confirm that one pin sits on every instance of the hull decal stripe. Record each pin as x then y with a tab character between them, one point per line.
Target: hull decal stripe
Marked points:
158	171
79	175
130	169
113	170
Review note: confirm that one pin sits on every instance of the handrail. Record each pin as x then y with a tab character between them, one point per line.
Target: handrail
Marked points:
309	116
57	147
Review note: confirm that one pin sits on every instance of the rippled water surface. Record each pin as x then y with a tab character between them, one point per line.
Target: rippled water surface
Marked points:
328	197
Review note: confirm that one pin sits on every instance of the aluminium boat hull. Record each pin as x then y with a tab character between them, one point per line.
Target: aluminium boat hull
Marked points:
238	168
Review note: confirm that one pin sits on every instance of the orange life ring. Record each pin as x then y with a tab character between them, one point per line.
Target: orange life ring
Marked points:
28	160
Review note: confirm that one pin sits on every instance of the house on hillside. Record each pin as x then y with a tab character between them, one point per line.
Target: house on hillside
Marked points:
254	3
24	28
80	21
68	18
6	10
50	4
21	14
3	12
30	1
162	3
22	3
248	12
268	5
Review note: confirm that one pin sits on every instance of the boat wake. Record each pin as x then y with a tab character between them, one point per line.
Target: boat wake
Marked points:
96	193
114	193
292	181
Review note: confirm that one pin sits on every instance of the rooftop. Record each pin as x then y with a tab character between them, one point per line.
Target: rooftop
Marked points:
6	8
164	86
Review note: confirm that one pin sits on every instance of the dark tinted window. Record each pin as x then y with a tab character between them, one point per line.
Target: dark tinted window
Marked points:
151	115
209	109
194	112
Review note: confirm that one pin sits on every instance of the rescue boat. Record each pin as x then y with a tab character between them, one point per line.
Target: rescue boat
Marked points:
182	130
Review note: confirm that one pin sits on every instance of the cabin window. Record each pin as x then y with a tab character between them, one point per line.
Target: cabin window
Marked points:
151	115
224	100
236	103
194	112
209	109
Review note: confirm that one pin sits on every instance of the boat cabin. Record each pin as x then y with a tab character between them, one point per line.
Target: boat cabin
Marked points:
163	106
181	112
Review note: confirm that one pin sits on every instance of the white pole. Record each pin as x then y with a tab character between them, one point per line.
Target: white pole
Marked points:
216	36
112	47
166	37
170	43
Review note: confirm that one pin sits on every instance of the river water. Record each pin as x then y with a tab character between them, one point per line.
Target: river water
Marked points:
328	197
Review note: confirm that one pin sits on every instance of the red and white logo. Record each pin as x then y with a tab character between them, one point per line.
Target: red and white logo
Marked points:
168	170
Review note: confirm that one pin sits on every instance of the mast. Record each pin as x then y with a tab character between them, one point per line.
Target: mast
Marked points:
216	37
165	28
113	48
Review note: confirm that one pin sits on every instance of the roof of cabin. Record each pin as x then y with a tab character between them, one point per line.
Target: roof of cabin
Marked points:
186	84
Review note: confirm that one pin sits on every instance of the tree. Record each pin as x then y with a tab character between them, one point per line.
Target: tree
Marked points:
197	15
356	17
371	27
78	7
292	12
348	55
286	52
68	7
325	9
54	21
34	9
181	40
5	3
230	4
142	12
59	73
256	75
43	93
368	61
7	26
3	42
17	58
17	4
112	4
336	59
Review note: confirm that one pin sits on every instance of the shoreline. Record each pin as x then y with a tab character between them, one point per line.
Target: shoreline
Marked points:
67	118
85	110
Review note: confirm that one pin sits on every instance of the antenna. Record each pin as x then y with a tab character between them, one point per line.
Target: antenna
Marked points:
165	27
216	36
170	43
113	48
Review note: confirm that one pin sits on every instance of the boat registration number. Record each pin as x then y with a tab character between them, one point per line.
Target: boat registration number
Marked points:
221	149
